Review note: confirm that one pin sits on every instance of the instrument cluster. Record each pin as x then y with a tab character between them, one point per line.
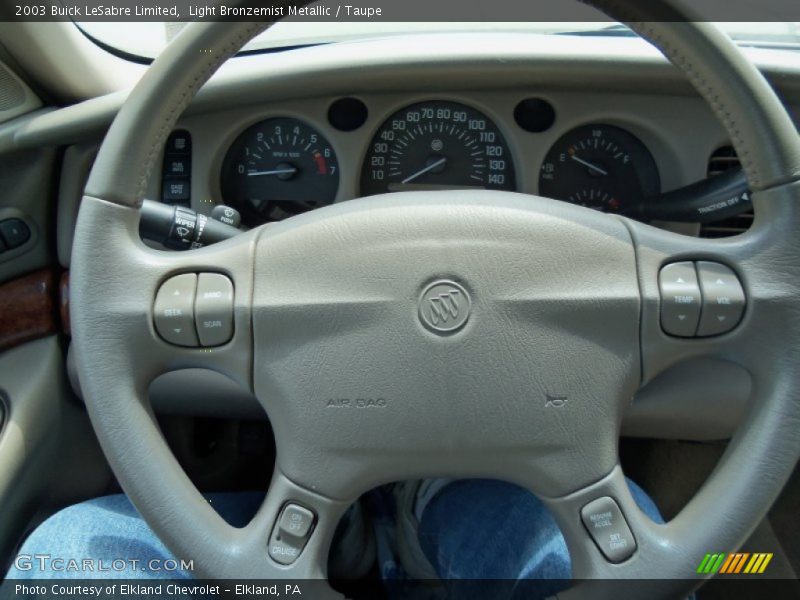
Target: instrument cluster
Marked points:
284	166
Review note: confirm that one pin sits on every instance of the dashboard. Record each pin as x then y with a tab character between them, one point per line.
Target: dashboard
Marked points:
348	93
608	151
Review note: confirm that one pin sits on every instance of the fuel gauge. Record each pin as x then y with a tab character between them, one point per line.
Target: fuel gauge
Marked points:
602	167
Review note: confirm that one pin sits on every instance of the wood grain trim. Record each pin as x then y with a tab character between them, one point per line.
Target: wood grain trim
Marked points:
28	309
63	303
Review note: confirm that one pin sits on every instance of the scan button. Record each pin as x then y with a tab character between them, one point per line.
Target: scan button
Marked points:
214	309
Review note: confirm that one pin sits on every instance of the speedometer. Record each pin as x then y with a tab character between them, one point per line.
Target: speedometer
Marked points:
437	145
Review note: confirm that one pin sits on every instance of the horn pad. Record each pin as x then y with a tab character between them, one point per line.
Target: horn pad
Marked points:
473	334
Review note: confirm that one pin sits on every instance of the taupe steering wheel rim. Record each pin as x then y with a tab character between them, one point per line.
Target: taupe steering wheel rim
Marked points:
348	326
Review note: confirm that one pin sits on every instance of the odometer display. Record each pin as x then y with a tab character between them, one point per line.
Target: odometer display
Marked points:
437	145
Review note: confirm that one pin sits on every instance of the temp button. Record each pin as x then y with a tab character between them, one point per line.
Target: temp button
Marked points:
680	299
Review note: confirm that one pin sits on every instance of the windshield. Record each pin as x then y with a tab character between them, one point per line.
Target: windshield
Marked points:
146	40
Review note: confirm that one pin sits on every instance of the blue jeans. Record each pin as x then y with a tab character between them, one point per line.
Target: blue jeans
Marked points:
490	530
108	529
472	529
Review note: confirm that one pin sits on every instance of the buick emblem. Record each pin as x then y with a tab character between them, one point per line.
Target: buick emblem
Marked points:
444	306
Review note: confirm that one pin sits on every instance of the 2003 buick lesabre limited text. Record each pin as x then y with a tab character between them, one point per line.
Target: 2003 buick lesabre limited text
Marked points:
101	10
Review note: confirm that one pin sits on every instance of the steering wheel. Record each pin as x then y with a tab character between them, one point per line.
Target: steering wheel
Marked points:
461	334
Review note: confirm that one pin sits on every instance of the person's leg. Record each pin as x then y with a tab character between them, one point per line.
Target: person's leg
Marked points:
108	533
485	529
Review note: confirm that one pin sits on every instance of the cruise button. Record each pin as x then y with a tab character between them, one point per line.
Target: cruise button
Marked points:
606	524
680	299
290	533
296	520
723	299
283	552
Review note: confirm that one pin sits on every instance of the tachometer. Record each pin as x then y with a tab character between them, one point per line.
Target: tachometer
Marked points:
602	167
278	168
437	145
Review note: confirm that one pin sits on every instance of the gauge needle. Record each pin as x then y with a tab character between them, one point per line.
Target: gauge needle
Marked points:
424	170
588	164
287	171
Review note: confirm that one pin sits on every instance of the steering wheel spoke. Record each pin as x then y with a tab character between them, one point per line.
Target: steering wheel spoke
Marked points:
615	548
290	536
167	310
719	298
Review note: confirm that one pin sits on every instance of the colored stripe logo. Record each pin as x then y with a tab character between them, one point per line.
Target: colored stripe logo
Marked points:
736	563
